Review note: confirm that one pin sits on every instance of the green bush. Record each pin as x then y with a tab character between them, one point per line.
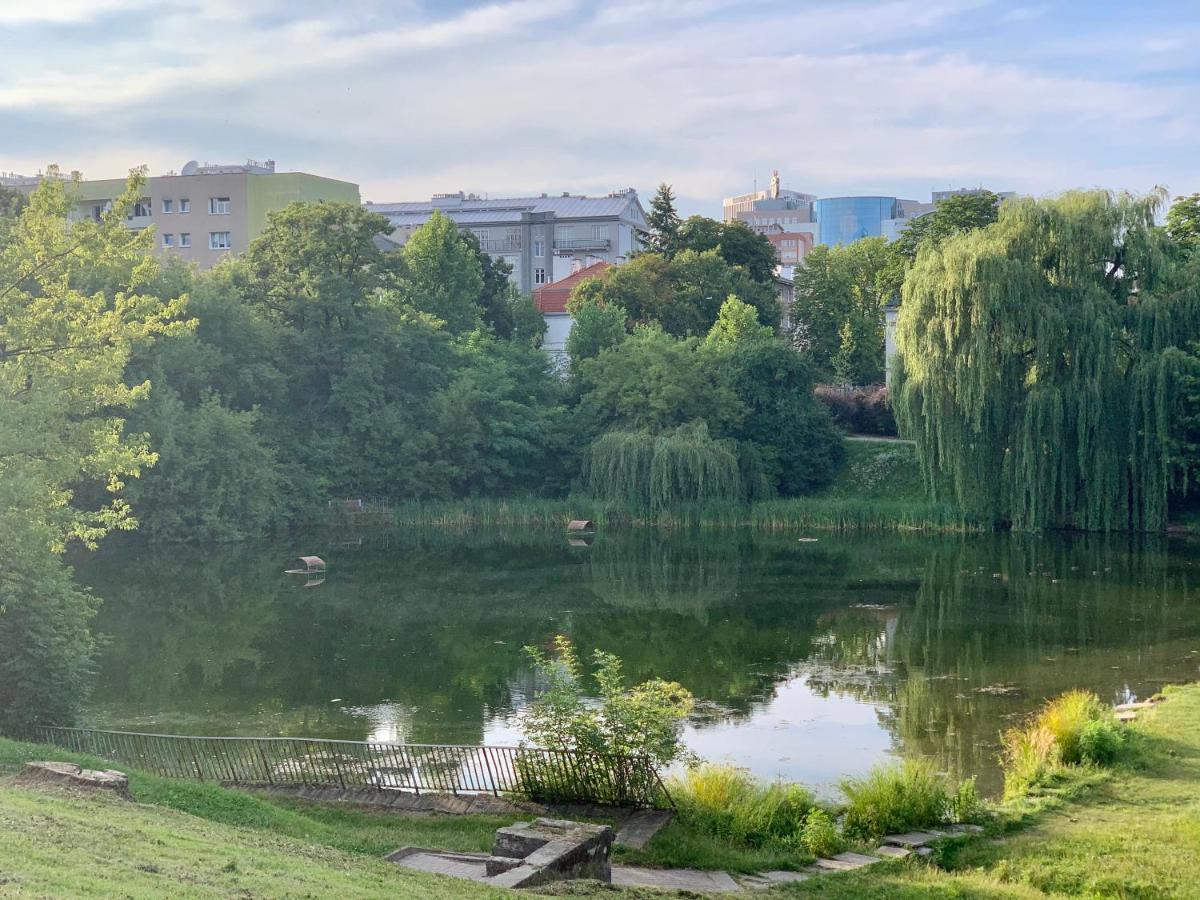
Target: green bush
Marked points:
1101	742
1066	717
1073	729
965	803
820	835
901	797
727	802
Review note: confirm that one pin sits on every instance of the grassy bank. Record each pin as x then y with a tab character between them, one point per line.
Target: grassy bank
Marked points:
879	489
1131	832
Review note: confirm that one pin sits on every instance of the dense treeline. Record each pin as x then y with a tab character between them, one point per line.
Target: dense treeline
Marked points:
317	367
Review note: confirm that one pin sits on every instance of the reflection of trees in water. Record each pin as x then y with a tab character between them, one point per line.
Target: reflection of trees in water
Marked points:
433	622
999	625
653	572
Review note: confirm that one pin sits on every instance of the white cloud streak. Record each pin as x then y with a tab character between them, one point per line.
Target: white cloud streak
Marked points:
532	95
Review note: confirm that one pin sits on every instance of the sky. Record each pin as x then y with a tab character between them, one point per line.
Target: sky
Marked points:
516	97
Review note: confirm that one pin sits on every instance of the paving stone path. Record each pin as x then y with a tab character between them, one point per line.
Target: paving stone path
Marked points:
894	846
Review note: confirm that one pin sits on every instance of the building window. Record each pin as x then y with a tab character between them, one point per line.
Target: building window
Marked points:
482	235
219	240
539	276
539	248
168	206
142	208
185	206
100	209
168	240
185	239
218	206
599	232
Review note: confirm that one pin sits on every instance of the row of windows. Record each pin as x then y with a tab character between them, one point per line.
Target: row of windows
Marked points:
217	240
217	206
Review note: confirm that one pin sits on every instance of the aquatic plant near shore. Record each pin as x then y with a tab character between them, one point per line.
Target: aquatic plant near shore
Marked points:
906	796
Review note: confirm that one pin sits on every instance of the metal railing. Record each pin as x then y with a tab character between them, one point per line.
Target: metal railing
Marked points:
532	772
499	245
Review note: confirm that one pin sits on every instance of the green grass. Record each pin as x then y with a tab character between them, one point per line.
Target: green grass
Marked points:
904	797
345	828
879	470
58	844
1132	831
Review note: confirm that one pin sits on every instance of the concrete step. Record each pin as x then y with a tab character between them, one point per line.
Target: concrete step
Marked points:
637	830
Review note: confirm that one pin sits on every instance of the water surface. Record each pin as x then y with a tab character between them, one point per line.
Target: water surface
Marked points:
812	660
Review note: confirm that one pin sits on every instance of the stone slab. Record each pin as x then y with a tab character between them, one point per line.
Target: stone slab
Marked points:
674	879
845	862
1127	716
890	852
781	877
1127	707
914	839
639	828
458	865
965	828
109	781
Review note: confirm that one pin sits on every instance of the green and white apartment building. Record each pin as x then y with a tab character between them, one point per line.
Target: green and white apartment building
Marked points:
206	212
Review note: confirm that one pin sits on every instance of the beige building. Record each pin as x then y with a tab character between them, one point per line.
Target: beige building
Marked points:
205	213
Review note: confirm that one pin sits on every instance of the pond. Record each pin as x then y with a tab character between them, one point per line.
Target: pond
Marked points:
811	659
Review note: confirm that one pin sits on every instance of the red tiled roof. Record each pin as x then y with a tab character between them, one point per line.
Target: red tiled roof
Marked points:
552	298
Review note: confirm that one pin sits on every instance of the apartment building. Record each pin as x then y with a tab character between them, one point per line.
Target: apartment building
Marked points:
205	213
545	239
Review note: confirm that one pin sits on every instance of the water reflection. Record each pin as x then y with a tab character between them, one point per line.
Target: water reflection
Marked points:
812	659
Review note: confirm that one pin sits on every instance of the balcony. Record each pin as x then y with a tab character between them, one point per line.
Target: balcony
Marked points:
592	243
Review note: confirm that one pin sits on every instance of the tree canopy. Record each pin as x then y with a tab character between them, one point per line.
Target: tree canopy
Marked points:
1038	362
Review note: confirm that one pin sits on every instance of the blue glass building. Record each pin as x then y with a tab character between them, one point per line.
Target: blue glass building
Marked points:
842	220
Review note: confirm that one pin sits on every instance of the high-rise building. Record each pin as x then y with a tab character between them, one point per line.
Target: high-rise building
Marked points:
545	239
205	213
842	220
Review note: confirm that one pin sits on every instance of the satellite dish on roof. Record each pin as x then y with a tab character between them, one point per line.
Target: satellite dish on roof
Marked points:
189	167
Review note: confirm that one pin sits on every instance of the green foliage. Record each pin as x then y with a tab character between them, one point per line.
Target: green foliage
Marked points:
956	214
820	835
1101	742
643	721
837	314
663	222
1183	222
736	242
737	326
902	797
682	293
598	324
63	350
654	382
662	472
216	480
46	649
1035	373
792	436
441	274
1070	730
728	803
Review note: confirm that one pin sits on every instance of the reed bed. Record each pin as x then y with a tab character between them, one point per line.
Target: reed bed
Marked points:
795	514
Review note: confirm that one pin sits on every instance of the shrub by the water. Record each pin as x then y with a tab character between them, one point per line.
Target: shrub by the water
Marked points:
820	835
1070	730
903	797
729	803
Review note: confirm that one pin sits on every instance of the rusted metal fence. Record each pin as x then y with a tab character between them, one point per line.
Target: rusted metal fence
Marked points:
538	774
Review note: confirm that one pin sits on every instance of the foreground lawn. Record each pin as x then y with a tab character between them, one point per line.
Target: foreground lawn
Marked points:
54	843
1130	833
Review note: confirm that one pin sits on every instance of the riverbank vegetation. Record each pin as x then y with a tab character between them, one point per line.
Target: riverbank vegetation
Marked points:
1123	830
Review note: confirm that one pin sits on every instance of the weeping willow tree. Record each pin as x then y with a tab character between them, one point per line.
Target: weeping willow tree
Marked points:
659	472
1038	360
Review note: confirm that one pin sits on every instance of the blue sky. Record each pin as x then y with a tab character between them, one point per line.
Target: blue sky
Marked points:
412	97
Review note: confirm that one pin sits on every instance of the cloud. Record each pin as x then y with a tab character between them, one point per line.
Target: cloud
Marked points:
542	95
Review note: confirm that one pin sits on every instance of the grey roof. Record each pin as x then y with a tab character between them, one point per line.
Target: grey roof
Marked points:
470	211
